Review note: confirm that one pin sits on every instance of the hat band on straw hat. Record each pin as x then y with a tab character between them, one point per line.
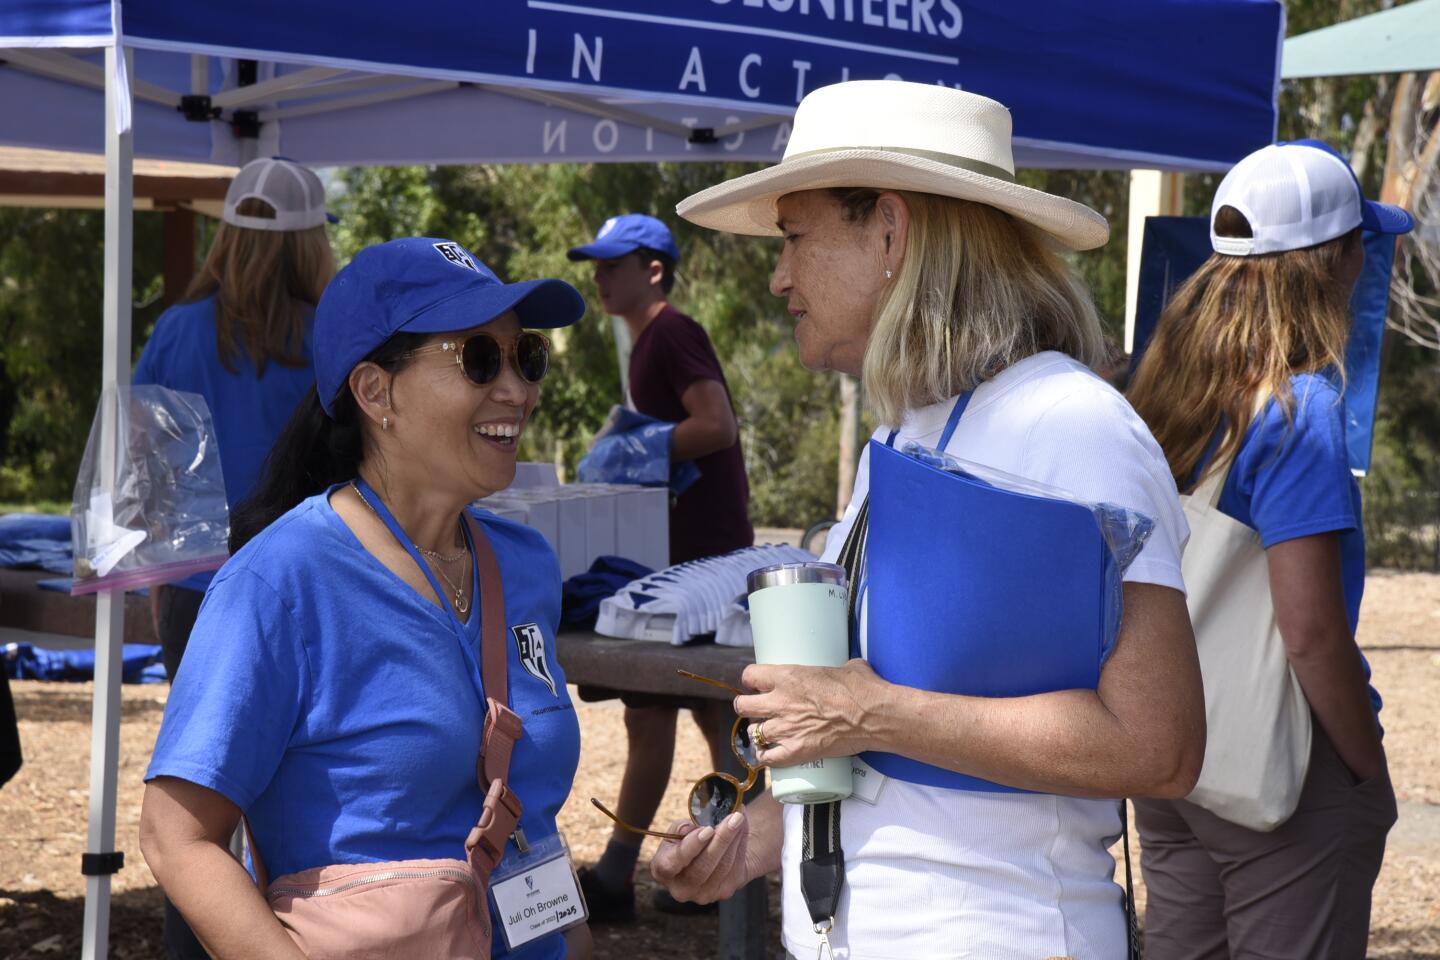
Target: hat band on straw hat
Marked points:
947	143
949	159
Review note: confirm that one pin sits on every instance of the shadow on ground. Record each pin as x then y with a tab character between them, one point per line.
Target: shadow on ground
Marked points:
61	703
35	924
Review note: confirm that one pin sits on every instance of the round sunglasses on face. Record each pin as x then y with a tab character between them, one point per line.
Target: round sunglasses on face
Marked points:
716	795
481	355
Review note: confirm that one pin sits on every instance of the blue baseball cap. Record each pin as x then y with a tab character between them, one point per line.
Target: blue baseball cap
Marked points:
626	234
420	285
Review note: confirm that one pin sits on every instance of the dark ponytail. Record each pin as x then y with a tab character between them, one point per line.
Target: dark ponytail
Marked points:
313	452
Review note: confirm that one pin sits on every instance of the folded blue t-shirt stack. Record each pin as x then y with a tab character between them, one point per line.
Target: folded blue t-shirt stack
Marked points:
35	541
580	596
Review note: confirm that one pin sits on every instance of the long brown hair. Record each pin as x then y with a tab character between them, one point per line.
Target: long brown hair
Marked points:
265	282
1232	336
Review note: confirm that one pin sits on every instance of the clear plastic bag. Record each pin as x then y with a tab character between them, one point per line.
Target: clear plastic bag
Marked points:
634	448
150	501
1123	530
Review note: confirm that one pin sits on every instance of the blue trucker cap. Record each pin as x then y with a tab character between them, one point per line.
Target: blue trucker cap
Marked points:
1296	195
1374	216
420	285
626	234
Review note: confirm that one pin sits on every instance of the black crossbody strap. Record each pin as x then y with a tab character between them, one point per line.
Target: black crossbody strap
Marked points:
822	861
822	864
1132	922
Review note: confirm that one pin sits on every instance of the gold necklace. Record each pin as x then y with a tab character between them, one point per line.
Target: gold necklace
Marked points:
436	555
462	604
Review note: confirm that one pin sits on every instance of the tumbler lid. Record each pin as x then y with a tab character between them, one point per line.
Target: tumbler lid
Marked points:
784	573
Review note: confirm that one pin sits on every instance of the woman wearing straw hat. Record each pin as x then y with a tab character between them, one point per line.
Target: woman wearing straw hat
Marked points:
1243	386
371	636
912	259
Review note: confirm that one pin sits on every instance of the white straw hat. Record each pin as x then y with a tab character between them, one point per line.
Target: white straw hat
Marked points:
894	135
295	193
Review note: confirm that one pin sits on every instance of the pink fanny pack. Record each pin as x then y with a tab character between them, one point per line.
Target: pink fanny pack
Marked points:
418	908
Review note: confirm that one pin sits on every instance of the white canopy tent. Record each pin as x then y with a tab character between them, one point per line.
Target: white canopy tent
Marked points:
1132	83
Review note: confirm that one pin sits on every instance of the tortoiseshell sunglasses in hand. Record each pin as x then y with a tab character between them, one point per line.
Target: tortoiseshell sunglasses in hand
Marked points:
716	795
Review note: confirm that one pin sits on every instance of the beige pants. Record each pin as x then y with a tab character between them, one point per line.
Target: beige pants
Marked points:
1217	891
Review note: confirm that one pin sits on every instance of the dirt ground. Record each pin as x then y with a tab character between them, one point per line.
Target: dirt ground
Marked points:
44	810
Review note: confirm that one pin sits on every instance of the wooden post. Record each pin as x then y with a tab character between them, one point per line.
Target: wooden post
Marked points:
1153	193
179	253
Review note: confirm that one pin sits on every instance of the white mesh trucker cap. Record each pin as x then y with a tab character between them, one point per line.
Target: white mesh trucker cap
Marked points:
295	193
1296	195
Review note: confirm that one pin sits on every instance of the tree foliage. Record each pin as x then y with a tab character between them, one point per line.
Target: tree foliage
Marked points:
51	287
521	220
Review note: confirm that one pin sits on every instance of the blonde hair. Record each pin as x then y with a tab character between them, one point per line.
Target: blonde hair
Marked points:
265	282
1233	335
976	292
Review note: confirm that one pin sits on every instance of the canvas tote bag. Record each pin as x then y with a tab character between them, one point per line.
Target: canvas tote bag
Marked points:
409	909
1257	746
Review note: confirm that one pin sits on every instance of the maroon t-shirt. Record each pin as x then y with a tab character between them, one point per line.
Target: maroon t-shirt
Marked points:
712	516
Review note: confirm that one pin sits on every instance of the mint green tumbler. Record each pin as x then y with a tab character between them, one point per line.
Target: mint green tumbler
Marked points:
798	615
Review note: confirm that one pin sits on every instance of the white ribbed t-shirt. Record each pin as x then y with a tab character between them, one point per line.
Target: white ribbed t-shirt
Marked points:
936	873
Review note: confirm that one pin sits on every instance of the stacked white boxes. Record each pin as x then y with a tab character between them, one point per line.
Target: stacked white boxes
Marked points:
582	521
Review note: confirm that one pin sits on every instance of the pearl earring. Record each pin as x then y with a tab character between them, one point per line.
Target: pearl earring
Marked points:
384	423
888	274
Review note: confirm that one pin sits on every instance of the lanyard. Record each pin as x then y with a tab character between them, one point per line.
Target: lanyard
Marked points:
822	864
383	512
956	412
859	575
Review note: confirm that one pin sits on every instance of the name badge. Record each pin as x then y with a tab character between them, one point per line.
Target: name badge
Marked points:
865	782
535	893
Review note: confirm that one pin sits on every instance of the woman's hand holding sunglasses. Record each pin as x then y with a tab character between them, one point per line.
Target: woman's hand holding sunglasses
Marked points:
711	856
714	796
707	863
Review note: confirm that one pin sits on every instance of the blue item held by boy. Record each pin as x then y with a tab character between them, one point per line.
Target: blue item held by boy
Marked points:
634	448
35	540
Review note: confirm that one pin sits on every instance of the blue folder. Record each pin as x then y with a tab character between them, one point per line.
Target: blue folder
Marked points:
972	589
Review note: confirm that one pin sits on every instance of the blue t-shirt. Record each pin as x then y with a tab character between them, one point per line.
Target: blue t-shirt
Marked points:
1293	480
248	411
342	712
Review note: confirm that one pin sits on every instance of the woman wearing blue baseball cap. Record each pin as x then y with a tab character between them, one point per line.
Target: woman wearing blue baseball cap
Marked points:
1243	388
369	682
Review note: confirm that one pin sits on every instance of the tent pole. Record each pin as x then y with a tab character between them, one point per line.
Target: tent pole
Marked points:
1153	193
110	607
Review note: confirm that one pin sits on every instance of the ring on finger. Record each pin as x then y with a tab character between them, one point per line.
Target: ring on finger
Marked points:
762	741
